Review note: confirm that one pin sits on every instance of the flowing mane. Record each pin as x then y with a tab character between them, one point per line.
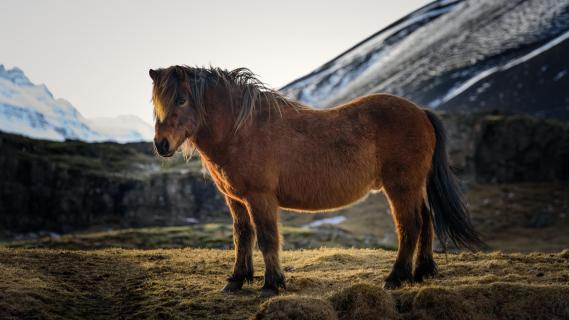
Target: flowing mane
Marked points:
253	95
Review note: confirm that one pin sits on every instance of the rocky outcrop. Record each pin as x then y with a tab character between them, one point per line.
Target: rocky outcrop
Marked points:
508	148
173	198
74	185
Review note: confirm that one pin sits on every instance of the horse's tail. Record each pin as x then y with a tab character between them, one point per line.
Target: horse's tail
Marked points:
450	216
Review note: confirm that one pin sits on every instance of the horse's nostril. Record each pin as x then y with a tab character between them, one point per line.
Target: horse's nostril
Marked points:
162	146
165	145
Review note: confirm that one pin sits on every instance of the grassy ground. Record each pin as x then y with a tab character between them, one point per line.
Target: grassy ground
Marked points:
210	235
185	283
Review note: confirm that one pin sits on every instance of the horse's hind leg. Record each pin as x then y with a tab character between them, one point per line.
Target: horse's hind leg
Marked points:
243	239
406	210
425	265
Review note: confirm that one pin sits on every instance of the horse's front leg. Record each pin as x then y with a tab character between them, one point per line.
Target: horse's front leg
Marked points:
243	240
264	211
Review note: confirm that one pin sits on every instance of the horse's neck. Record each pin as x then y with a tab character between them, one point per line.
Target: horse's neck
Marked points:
211	139
214	138
220	133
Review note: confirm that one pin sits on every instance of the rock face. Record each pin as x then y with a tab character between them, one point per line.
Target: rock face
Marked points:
172	198
68	186
507	148
522	149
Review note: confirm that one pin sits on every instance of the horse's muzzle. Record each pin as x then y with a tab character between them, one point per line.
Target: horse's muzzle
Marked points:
163	147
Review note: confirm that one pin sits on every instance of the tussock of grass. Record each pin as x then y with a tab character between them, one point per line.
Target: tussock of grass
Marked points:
185	283
364	302
498	300
441	304
297	308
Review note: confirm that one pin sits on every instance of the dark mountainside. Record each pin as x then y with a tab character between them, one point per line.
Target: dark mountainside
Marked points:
460	55
70	186
61	187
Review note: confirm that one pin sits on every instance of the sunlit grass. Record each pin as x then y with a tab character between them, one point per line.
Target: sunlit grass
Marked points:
185	283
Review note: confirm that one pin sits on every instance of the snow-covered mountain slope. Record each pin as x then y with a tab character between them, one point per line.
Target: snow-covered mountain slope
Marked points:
31	110
457	55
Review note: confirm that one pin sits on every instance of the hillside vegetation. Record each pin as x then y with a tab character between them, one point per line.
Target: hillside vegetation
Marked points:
322	283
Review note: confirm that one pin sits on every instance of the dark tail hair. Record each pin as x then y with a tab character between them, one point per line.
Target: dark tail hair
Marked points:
450	216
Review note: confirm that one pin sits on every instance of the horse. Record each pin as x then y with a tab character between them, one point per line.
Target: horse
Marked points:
265	152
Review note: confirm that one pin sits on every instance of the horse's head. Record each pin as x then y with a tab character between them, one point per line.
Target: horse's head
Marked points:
234	98
177	119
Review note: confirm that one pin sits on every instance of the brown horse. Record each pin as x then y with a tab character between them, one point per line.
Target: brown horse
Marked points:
265	152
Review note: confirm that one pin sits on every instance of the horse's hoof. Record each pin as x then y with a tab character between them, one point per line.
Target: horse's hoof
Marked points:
420	277
392	284
425	270
268	292
232	286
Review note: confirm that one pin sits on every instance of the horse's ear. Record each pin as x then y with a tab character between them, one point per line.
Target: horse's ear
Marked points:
153	74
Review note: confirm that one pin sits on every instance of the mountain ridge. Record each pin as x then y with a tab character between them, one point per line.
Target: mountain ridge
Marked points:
32	110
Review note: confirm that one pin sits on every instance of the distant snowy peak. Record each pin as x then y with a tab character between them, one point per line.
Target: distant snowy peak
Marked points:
125	128
15	75
454	55
31	110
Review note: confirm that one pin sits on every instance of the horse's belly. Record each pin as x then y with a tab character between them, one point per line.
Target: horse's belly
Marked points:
333	173
323	195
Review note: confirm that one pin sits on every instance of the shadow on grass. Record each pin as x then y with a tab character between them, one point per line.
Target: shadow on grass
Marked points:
57	284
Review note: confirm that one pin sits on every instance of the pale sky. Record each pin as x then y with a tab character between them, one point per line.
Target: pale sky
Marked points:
96	54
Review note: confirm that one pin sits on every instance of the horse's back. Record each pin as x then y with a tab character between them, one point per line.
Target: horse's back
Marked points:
388	111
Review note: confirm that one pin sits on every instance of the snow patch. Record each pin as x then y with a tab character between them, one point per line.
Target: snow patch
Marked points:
560	75
320	222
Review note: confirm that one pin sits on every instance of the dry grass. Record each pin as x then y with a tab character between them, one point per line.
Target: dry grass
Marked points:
364	301
185	283
296	307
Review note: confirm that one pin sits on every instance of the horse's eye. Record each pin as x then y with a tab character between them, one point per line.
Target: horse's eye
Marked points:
181	101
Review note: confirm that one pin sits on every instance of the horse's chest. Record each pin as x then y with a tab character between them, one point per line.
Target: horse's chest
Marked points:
227	182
